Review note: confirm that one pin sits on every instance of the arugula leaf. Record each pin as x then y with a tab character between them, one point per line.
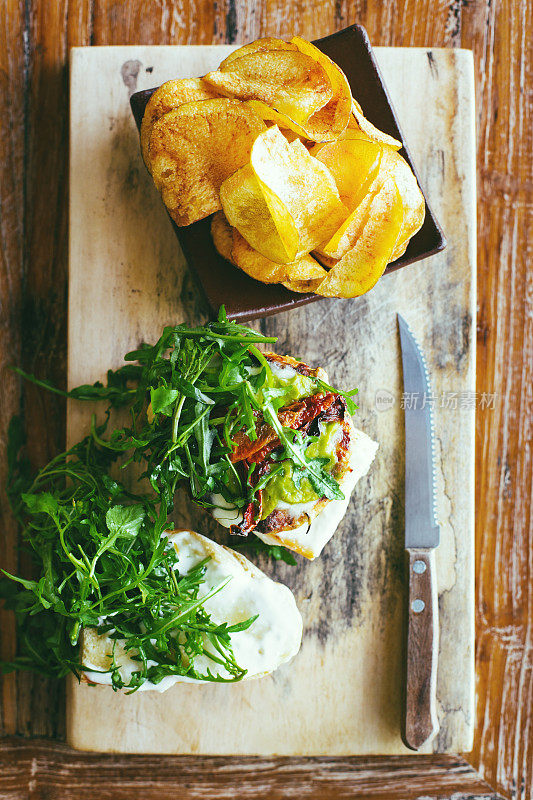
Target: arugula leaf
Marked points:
312	468
100	553
43	503
103	561
125	520
116	391
162	398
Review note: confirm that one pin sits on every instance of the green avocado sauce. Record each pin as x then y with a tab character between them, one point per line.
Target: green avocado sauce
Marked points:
282	486
286	386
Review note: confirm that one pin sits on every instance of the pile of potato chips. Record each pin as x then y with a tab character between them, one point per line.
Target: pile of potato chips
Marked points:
304	190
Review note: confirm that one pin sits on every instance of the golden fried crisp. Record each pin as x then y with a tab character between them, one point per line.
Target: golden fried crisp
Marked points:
328	122
304	275
304	287
222	234
194	148
313	195
253	263
354	164
285	202
259	216
289	81
304	185
267	43
414	206
362	266
360	124
257	266
171	94
360	168
297	276
347	235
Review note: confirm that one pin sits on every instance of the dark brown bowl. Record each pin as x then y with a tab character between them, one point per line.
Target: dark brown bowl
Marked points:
245	298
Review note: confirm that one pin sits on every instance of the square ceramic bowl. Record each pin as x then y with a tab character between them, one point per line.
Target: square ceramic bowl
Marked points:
245	298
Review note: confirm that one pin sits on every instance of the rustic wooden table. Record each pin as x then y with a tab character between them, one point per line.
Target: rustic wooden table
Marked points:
34	40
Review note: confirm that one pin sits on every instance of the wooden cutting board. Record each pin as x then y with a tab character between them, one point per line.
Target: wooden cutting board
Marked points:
343	692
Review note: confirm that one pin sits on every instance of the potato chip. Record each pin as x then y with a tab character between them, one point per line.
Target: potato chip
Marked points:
346	236
194	148
268	43
354	165
255	264
222	234
305	269
304	185
304	275
327	261
289	81
359	122
355	132
359	174
261	218
299	276
360	269
285	203
333	118
171	94
303	287
233	247
412	198
305	181
291	136
327	123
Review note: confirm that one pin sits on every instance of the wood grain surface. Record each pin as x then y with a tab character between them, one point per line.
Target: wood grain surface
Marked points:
43	770
421	720
34	41
343	694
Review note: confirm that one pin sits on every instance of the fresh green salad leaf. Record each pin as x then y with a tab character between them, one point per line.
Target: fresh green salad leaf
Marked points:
125	520
105	562
102	559
204	387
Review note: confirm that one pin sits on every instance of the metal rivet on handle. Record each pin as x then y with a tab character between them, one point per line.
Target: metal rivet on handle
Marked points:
418	606
419	567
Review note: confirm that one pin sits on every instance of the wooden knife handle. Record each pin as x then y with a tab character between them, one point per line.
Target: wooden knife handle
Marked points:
421	722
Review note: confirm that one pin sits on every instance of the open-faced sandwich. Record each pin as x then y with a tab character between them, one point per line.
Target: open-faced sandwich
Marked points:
291	509
251	625
308	193
261	441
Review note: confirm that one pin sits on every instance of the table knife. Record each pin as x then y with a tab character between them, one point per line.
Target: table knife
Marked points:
421	538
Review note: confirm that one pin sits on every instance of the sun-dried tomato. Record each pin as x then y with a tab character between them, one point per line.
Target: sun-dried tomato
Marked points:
250	517
336	411
297	415
245	447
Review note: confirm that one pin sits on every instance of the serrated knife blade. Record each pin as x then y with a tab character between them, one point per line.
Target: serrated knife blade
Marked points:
422	536
421	529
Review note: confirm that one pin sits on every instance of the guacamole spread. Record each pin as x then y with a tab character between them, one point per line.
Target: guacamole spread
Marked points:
283	488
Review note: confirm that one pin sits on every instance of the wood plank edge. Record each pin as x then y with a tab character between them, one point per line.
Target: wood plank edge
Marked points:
41	768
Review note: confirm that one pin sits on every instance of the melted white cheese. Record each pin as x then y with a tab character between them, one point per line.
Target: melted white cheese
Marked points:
271	640
311	538
284	371
225	513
